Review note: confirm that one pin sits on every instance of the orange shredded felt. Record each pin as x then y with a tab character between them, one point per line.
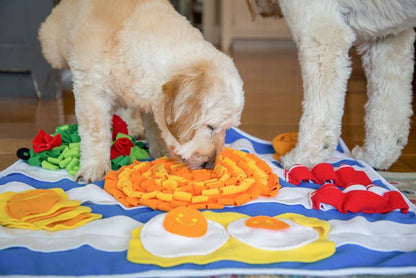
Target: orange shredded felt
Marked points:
164	183
266	222
186	221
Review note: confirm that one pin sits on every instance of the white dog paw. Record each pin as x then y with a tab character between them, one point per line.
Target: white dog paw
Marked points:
92	173
309	156
377	159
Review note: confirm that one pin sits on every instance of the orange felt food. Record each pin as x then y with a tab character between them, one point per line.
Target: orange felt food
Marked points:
47	209
284	143
266	222
31	202
186	221
164	183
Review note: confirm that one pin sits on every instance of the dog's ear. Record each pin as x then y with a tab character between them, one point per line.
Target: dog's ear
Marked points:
252	8
183	95
265	8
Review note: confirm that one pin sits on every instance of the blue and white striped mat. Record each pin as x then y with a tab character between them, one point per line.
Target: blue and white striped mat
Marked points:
365	243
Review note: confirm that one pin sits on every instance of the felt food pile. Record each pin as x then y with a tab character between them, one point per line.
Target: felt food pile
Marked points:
47	209
164	183
61	150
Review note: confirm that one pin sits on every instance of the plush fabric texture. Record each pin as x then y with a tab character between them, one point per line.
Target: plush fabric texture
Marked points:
355	243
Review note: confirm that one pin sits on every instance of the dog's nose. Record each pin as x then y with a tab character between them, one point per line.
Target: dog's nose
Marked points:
210	164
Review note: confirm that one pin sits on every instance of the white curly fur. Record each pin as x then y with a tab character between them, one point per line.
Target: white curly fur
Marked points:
141	56
324	31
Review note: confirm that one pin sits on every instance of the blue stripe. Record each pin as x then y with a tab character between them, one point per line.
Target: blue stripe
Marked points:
20	261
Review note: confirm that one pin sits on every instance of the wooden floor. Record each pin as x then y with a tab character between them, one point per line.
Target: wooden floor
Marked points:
273	89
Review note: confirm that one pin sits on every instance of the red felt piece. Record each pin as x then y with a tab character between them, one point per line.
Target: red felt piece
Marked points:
324	173
364	201
395	201
119	126
121	147
43	141
298	174
347	175
328	194
358	200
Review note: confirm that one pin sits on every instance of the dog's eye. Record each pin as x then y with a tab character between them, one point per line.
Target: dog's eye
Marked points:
210	127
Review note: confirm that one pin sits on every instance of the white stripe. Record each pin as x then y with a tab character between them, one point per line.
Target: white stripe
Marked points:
379	235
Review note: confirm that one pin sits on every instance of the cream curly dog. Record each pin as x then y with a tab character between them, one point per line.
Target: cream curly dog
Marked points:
141	56
324	31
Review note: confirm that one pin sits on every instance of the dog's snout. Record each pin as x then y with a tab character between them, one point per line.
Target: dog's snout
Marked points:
201	161
210	164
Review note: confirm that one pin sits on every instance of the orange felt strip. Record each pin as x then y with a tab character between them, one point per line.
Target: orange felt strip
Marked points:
176	203
226	201
201	174
56	213
118	194
165	206
215	206
72	221
133	201
151	203
182	196
242	199
31	202
198	206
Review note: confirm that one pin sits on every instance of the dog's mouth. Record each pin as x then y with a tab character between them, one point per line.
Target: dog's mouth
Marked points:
199	161
209	164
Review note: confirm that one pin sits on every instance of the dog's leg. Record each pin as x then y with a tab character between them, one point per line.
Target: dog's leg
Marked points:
157	147
388	66
94	116
323	54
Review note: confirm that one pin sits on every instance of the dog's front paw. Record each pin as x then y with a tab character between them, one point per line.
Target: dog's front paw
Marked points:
92	173
379	160
308	156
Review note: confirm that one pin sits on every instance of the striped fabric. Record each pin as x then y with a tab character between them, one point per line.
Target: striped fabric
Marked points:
365	243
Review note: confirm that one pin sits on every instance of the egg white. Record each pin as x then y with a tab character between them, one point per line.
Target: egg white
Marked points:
159	242
293	237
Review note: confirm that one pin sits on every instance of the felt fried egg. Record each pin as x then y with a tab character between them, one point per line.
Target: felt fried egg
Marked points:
270	233
184	231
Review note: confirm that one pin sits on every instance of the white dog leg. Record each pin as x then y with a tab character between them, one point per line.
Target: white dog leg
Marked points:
94	116
388	65
323	54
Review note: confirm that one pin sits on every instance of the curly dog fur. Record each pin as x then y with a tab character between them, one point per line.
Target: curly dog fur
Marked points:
324	32
142	57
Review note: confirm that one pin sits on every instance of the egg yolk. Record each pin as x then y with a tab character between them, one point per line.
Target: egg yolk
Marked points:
31	202
186	221
266	222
